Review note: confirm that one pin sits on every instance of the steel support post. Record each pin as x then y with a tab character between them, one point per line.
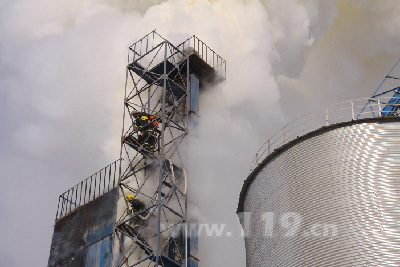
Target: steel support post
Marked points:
161	157
188	95
380	108
326	117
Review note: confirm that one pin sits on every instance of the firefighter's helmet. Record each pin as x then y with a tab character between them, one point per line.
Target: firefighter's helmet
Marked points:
129	198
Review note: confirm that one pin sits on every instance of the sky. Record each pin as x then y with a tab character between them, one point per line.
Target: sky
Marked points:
62	75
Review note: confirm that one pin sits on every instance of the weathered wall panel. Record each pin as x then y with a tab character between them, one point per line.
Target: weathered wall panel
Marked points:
83	238
95	255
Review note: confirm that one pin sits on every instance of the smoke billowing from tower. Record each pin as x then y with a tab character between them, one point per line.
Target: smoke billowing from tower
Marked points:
61	91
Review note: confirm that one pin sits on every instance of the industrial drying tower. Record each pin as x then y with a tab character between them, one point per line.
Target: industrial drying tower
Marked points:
95	225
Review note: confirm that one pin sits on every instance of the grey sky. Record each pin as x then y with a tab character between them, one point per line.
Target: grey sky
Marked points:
61	91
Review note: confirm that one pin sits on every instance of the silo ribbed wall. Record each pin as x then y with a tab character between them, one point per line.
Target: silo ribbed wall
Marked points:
334	200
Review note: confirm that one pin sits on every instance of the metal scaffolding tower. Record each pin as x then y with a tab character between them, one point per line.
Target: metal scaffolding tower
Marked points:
161	102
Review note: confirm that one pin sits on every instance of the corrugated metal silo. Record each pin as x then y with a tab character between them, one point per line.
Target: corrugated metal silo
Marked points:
328	198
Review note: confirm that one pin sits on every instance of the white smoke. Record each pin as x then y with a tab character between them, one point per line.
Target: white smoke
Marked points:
61	92
349	59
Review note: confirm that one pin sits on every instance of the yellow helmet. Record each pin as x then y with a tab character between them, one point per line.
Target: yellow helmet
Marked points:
129	198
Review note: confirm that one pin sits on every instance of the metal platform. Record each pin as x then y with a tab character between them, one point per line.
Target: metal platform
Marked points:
155	77
142	243
134	143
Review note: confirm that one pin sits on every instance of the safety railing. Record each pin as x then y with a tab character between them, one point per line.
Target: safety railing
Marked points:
195	45
88	190
150	43
145	45
325	116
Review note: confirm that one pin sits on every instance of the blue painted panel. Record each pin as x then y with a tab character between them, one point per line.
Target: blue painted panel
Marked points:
194	100
83	237
194	94
392	106
193	251
99	254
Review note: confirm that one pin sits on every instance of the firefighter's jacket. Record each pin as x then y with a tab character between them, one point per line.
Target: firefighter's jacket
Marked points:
144	123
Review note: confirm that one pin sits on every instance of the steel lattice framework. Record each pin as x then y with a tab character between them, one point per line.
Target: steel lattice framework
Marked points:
157	82
133	212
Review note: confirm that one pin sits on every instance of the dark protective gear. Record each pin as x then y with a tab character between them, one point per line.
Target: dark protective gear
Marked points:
137	211
137	205
147	126
150	138
144	121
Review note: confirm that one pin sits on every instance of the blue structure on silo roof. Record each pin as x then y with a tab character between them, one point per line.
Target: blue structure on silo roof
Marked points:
387	95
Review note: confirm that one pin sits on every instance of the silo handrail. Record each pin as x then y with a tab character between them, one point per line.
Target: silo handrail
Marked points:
323	116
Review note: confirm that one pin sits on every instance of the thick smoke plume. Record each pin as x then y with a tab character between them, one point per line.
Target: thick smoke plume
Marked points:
62	73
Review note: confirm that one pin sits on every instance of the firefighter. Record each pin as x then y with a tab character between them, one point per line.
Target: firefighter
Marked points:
136	204
147	126
137	208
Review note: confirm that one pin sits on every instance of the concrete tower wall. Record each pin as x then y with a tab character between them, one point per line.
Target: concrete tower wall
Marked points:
329	199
